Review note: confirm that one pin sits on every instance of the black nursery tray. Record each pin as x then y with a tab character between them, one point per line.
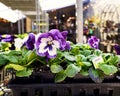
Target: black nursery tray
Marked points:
80	86
44	78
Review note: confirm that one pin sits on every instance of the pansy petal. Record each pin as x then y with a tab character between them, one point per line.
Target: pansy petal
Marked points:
67	46
117	49
64	34
38	41
43	35
30	41
42	50
18	43
30	45
56	34
45	40
52	53
56	44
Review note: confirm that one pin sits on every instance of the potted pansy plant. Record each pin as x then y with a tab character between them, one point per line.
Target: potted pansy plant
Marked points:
35	52
50	52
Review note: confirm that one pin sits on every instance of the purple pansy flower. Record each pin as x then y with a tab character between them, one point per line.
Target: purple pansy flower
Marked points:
30	41
59	36
8	38
48	43
93	42
117	49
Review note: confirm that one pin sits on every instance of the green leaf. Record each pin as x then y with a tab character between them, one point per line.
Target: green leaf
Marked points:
30	62
15	67
72	70
31	55
107	57
114	60
84	72
86	52
69	57
26	55
3	61
97	52
108	69
55	68
91	57
95	75
13	59
24	73
83	58
80	58
87	63
75	50
59	54
83	46
4	45
60	76
14	52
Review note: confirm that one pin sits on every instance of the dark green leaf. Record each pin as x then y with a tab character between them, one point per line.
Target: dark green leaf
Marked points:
13	59
14	52
3	61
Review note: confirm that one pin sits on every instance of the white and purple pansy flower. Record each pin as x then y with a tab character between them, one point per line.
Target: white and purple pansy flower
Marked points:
30	42
94	42
61	37
48	43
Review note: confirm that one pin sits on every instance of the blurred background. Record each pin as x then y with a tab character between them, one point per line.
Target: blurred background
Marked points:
81	18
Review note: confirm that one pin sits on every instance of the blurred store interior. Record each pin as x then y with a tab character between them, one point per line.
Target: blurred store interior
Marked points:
99	18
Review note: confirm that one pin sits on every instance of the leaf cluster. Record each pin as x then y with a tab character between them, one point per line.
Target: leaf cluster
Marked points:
69	63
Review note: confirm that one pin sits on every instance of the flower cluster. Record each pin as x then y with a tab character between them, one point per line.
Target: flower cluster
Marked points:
44	49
